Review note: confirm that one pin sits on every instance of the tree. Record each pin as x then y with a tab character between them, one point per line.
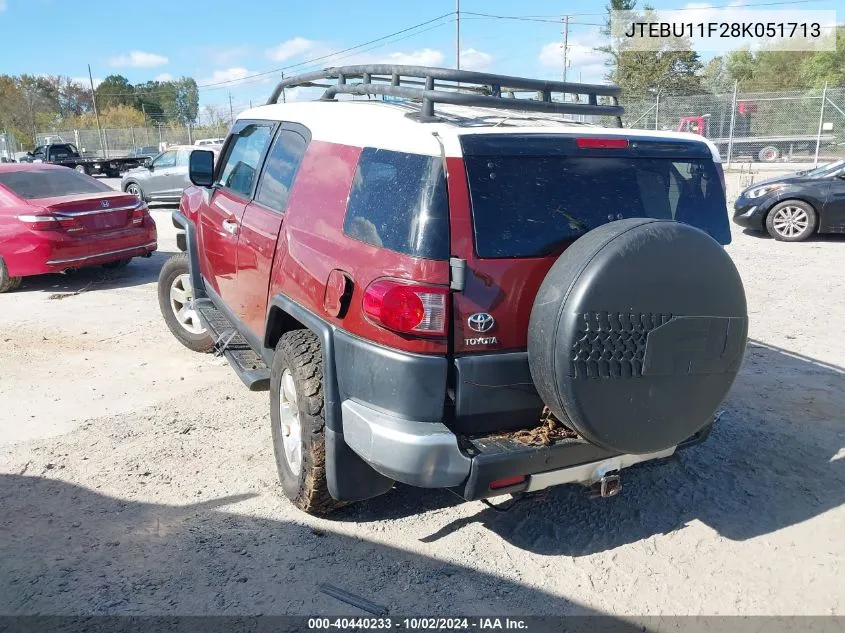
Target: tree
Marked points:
827	66
74	98
114	90
715	77
674	69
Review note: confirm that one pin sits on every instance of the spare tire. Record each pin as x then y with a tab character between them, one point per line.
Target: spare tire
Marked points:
637	334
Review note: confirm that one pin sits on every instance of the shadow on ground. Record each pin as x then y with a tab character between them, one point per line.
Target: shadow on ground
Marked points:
823	237
775	459
70	550
140	271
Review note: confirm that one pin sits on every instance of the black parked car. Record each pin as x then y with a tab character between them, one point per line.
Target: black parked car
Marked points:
792	208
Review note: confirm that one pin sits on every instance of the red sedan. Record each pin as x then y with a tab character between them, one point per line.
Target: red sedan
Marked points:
53	218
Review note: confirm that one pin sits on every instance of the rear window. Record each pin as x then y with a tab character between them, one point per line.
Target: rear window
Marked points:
398	201
48	183
526	204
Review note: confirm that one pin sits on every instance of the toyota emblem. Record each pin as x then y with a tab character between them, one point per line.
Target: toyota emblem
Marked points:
104	204
480	322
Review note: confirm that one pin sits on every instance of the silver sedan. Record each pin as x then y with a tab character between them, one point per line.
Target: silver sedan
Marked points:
165	177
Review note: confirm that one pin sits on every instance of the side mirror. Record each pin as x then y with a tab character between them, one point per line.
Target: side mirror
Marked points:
29	154
201	167
148	163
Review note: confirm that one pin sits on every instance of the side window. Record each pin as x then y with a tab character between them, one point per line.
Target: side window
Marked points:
398	201
241	164
182	156
280	169
168	159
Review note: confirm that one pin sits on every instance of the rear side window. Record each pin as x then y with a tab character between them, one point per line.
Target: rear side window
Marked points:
280	169
46	183
533	206
398	201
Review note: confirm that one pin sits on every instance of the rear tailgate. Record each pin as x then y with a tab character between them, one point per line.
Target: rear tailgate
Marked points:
516	202
98	213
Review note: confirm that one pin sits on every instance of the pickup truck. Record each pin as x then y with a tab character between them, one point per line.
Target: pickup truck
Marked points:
67	155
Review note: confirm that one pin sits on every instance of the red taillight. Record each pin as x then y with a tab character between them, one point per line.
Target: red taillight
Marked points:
138	214
407	308
47	222
507	482
592	142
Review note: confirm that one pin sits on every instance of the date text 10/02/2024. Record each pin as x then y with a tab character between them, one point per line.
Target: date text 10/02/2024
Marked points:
419	624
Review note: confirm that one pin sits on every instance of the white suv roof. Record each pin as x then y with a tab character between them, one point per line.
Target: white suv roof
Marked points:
386	125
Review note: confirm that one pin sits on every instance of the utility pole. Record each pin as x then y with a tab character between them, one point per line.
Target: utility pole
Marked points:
231	112
565	45
458	34
284	98
96	112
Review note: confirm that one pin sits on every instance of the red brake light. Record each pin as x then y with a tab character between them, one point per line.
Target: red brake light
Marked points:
47	222
407	308
593	142
138	214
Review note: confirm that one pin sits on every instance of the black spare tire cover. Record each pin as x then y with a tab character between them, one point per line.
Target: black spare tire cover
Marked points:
637	333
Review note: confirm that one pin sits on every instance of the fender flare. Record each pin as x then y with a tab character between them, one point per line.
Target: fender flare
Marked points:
183	223
349	477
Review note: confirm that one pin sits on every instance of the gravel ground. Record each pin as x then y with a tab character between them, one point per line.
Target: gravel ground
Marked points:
137	478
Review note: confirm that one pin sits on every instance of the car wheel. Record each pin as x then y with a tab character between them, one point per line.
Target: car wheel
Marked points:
7	283
176	302
81	169
791	221
135	189
298	423
120	263
769	154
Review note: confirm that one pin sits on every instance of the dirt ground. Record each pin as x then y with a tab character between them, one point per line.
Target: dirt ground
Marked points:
137	477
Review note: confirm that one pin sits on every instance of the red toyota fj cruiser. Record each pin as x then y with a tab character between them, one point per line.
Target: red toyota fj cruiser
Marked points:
489	298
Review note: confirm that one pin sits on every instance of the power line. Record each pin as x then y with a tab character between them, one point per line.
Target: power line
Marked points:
302	63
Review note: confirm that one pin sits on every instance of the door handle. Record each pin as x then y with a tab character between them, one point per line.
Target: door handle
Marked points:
230	226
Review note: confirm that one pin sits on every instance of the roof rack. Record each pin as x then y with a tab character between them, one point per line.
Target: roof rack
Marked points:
459	87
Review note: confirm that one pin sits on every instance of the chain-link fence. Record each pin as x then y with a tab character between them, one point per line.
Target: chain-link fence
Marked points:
8	147
806	126
112	143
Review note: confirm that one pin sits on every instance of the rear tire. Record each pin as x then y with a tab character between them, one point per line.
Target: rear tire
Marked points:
298	422
769	154
7	283
81	169
791	221
175	296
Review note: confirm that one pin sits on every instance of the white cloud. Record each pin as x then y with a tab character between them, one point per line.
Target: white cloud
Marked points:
473	59
229	74
423	57
164	77
584	60
291	48
139	59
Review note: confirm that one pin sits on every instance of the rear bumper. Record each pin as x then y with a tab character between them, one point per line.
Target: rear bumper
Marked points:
394	417
106	256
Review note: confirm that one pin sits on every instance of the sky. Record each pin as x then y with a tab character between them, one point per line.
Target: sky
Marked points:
219	43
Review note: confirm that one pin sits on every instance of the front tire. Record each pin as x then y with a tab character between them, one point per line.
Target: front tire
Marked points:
81	169
298	422
134	189
175	300
791	221
8	283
